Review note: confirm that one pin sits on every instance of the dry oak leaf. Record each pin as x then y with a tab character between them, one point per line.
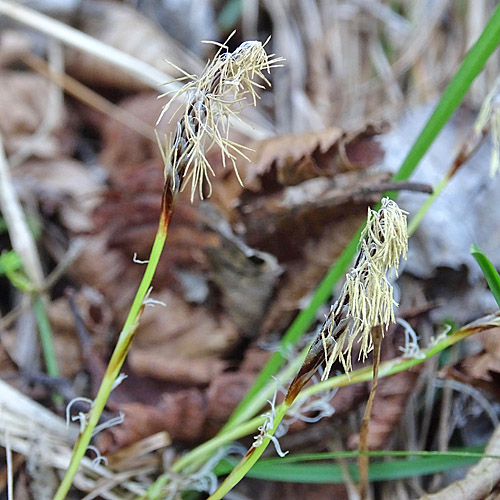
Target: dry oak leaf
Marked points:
300	157
180	342
23	107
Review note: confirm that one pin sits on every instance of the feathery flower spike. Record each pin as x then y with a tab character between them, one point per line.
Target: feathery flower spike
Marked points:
212	99
367	296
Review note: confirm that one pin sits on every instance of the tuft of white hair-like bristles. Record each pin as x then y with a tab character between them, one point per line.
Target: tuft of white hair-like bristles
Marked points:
367	298
212	99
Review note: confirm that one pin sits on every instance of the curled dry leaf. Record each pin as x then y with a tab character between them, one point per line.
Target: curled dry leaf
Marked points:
480	482
292	159
485	364
282	222
245	277
480	369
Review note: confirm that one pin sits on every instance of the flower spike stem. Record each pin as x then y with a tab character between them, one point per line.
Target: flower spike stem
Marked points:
123	345
363	459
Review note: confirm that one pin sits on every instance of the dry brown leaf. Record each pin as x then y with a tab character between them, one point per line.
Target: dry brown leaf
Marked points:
292	159
480	370
303	275
122	27
181	415
479	482
123	148
66	187
23	106
244	276
482	365
180	342
281	223
96	317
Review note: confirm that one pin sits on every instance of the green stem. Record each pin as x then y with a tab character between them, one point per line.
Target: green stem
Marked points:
417	218
47	342
470	68
199	455
266	392
46	337
490	273
300	325
118	357
249	460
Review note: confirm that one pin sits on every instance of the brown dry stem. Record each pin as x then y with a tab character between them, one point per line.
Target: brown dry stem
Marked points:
363	460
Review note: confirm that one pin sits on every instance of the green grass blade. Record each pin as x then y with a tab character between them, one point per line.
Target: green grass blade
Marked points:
470	68
490	273
9	262
46	338
452	97
297	469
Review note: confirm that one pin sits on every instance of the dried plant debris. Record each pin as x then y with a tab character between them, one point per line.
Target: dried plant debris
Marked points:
123	27
291	159
245	277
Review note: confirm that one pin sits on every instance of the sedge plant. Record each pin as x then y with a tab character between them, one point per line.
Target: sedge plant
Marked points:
228	81
243	421
363	312
450	100
180	166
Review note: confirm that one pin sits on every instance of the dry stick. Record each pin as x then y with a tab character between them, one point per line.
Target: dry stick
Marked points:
363	459
20	235
10	474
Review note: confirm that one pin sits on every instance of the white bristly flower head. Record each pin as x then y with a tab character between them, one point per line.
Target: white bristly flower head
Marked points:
367	299
212	99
